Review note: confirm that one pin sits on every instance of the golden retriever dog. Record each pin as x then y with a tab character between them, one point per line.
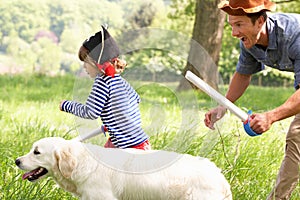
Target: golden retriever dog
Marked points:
92	172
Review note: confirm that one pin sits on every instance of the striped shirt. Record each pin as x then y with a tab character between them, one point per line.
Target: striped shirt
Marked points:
117	104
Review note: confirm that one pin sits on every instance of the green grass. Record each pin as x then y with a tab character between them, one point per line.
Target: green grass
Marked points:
29	111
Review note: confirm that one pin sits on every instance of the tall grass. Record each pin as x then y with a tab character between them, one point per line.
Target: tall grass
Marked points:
29	111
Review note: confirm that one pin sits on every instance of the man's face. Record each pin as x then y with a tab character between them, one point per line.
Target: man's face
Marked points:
245	30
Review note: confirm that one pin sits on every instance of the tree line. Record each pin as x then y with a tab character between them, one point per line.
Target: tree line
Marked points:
44	37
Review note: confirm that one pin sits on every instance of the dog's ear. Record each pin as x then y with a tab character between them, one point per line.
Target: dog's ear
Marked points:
66	162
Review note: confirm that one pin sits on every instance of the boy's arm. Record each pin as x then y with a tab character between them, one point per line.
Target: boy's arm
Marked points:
94	104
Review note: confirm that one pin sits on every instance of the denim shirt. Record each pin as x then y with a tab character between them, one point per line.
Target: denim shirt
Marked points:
283	51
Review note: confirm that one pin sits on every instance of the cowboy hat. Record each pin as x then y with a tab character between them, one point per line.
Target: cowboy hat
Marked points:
244	7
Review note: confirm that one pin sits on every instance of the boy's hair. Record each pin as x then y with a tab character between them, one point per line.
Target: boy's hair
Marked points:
83	53
118	63
255	16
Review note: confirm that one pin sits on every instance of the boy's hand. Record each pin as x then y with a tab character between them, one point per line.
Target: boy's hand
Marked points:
60	105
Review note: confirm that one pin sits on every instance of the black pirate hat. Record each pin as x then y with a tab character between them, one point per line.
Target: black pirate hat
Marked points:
99	51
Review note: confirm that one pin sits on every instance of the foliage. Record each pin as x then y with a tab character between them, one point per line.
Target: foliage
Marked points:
182	13
290	6
23	17
72	22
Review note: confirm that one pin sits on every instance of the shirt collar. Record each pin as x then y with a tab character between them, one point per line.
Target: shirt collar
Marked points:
271	28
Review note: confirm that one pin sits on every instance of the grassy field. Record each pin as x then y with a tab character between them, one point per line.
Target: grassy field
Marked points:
174	121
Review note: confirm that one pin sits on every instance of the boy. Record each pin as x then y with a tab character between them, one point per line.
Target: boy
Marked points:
111	98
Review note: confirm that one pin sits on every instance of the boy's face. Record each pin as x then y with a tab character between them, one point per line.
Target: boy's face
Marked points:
245	30
90	69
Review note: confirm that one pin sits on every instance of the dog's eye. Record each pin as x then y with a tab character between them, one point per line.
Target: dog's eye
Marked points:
36	152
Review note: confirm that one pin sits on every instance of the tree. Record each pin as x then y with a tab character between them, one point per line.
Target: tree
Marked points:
21	17
48	57
206	43
292	6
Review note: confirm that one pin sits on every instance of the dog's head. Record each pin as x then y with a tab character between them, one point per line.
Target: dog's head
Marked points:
48	156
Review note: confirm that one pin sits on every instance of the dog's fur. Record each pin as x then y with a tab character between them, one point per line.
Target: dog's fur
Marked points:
93	172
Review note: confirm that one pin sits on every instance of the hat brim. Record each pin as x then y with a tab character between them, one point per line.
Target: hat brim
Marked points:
224	5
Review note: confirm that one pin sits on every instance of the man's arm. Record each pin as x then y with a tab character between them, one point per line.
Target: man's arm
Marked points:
288	109
262	122
237	86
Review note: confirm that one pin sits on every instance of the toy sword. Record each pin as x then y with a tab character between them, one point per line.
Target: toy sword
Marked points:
245	117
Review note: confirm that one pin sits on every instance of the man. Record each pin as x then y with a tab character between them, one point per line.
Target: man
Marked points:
273	41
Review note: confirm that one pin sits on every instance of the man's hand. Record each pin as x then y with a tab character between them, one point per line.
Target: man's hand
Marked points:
214	115
260	123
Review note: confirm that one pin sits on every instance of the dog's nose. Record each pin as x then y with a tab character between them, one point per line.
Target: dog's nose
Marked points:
18	162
